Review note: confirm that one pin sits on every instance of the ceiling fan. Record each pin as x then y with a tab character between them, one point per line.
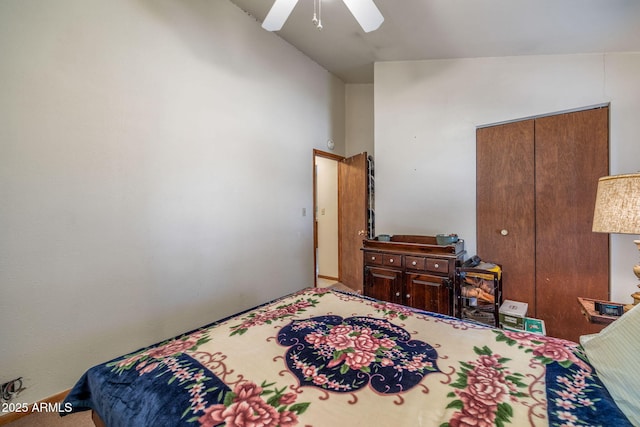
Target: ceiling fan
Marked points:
365	12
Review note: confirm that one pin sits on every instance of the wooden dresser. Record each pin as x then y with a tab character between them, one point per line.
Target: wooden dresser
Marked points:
412	270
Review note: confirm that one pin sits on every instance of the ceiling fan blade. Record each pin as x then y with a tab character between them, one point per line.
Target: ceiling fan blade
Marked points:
366	13
278	14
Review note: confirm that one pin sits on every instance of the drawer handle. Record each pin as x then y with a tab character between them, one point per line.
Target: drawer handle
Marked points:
414	263
373	258
397	294
390	259
436	265
408	296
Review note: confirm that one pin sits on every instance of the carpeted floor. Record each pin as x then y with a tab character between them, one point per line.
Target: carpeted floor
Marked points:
339	286
328	283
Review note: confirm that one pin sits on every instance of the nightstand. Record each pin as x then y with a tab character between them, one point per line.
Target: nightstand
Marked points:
587	305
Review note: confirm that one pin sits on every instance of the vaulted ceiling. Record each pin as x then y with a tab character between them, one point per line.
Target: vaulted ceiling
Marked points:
445	29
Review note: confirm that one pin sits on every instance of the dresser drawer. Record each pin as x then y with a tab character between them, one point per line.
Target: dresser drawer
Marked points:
415	262
372	258
437	265
392	260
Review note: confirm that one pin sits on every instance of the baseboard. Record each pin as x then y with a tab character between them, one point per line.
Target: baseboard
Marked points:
13	416
321	276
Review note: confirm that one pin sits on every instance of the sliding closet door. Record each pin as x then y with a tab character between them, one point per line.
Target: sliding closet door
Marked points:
536	188
506	205
572	152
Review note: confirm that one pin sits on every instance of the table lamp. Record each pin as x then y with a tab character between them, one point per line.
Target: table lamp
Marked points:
618	210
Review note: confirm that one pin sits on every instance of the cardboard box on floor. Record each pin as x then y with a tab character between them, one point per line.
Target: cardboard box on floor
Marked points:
512	314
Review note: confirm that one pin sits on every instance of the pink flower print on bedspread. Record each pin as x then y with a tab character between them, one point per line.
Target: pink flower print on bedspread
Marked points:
246	406
545	349
485	389
344	355
270	314
162	354
173	347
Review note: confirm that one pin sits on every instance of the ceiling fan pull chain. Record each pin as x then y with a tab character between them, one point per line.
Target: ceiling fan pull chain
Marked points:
315	12
365	12
319	25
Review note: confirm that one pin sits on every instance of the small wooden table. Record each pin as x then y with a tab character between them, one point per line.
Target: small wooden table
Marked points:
588	309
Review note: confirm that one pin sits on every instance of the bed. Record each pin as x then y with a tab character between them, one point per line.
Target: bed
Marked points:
320	357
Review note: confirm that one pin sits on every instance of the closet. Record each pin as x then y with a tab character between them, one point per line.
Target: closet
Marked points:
536	183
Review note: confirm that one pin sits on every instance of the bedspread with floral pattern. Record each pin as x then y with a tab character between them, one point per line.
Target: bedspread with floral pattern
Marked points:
328	358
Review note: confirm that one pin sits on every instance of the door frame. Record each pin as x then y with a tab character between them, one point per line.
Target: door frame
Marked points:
338	158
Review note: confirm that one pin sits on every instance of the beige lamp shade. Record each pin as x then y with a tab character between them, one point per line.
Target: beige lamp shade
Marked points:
618	205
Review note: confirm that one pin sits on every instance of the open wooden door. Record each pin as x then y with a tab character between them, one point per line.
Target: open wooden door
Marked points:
353	196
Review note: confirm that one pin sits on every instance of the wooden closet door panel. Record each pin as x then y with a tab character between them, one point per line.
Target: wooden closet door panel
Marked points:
571	261
505	201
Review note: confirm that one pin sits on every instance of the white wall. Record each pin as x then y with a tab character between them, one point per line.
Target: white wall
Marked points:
359	131
426	114
155	158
